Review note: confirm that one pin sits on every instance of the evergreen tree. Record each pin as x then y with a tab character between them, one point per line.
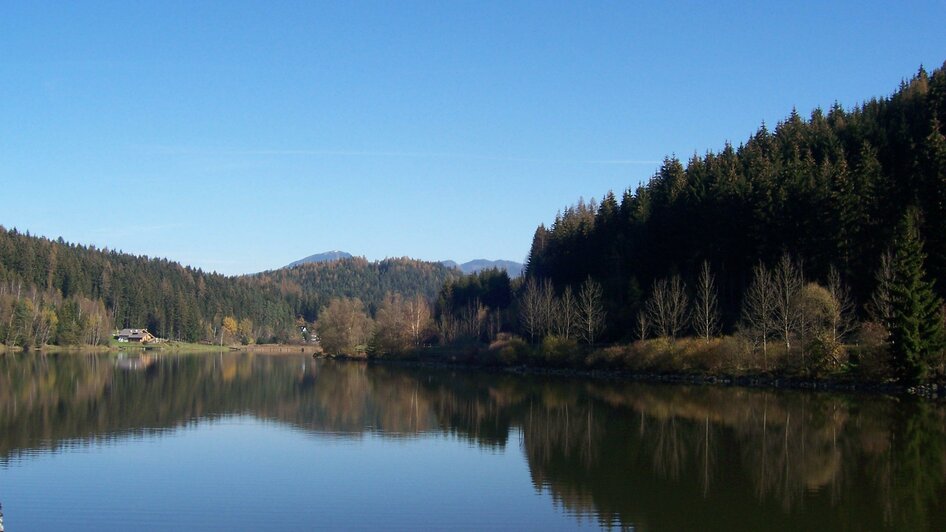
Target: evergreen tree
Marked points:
933	167
917	335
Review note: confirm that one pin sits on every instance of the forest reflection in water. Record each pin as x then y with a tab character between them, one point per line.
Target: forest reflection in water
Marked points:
649	456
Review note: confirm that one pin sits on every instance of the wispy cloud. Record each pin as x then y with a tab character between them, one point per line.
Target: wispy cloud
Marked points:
624	161
130	230
172	150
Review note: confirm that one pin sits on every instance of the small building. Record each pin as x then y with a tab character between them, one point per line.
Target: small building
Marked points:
139	336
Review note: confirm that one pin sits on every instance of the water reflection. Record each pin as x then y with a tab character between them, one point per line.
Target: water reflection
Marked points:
653	457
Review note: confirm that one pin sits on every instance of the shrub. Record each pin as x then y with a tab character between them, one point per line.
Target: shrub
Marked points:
509	350
556	350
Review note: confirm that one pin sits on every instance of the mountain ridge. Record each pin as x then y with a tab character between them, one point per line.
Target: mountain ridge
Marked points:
513	268
325	256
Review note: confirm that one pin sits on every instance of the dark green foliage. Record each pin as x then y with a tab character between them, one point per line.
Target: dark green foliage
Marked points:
829	189
171	300
491	288
178	302
309	287
70	324
475	307
917	336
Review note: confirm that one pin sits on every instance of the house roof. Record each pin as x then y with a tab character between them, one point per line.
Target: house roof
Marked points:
134	333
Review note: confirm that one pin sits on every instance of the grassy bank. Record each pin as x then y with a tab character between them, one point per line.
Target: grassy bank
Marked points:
188	347
727	360
170	347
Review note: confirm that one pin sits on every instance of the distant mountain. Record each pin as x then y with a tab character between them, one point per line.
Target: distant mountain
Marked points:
310	286
514	269
328	256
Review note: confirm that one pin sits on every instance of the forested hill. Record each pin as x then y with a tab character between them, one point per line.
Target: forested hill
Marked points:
829	190
308	287
55	292
76	294
327	256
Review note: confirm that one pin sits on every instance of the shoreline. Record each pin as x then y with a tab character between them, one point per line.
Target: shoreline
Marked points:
170	347
932	391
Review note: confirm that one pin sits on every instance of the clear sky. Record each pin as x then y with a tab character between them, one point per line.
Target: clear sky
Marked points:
240	136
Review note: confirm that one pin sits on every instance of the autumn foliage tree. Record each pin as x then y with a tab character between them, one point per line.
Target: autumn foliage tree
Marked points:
344	327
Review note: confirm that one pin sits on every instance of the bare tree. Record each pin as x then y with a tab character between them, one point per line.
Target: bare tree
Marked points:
788	282
643	325
530	309
667	307
705	306
843	321
494	323
418	318
447	327
392	330
472	317
758	308
566	315
591	312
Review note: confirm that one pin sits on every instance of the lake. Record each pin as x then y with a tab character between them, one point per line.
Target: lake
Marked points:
237	441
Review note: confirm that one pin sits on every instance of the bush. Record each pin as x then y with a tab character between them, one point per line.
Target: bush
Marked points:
825	354
509	350
611	357
556	351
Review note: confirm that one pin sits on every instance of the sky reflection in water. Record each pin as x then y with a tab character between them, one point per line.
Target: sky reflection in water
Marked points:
237	441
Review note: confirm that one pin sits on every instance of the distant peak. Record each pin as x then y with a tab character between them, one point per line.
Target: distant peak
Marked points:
326	256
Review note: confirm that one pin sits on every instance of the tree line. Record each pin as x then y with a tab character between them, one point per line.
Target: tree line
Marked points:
54	292
310	287
837	218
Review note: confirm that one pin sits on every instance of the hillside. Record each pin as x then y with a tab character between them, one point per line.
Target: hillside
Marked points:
830	190
309	287
55	292
327	256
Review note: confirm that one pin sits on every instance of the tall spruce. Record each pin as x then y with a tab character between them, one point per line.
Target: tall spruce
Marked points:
917	336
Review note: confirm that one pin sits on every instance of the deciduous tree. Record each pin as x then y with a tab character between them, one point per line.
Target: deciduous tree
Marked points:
758	309
705	306
566	314
530	309
591	312
787	282
344	327
667	307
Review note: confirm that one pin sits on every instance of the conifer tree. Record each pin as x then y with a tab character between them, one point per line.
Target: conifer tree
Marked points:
917	330
933	164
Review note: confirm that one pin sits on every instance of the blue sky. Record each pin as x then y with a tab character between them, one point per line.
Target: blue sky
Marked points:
239	136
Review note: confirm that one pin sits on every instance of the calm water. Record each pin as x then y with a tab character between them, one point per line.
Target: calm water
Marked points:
242	442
